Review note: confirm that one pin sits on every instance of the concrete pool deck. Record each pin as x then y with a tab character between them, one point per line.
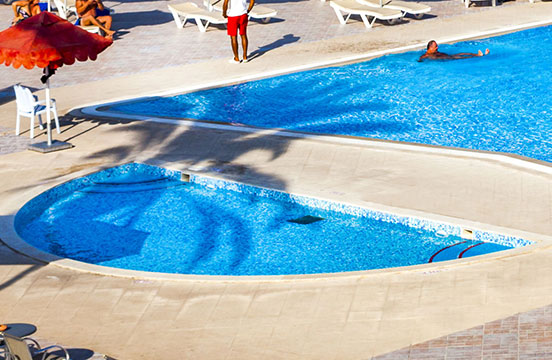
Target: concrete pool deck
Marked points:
346	317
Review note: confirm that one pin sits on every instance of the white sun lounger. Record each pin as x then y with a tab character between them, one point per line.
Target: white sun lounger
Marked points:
414	8
351	7
184	11
493	2
258	12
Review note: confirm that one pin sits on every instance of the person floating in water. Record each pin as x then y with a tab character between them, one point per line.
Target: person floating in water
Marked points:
433	53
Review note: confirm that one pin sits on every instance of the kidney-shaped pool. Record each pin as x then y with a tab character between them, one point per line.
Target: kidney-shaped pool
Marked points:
146	218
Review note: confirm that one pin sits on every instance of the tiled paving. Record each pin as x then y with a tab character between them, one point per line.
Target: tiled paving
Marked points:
522	336
10	143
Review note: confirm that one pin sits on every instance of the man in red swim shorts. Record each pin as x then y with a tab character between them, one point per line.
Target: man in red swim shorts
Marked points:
237	13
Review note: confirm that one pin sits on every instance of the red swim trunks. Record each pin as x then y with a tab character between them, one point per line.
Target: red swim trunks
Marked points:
235	22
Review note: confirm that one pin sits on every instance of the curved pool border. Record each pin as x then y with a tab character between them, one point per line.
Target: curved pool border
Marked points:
17	244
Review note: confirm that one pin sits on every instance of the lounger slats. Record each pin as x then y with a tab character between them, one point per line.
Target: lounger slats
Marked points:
258	11
404	6
353	7
184	11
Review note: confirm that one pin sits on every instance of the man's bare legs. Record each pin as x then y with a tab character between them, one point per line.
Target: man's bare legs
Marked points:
244	46
103	22
468	55
234	41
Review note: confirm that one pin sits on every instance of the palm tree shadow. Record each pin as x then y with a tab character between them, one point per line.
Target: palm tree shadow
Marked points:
286	39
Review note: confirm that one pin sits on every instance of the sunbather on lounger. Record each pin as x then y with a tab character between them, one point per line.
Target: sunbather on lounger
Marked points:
86	9
23	9
433	53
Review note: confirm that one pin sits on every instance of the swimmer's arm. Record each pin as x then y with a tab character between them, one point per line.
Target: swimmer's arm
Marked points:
422	57
251	3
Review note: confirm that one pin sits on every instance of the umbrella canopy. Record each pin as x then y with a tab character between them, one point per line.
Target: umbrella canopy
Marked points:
46	40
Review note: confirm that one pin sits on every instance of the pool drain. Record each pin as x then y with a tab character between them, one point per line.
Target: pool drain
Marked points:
305	220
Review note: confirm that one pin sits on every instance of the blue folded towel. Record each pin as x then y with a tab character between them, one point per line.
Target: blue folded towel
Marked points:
103	12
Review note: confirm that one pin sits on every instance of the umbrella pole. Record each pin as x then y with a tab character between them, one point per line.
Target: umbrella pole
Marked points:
48	116
49	146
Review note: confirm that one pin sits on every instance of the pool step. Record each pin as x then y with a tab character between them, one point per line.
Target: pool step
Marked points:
464	249
131	185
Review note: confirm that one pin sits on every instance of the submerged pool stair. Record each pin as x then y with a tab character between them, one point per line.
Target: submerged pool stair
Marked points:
464	249
126	184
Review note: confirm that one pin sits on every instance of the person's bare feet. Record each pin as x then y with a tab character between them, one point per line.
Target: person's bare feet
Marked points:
480	53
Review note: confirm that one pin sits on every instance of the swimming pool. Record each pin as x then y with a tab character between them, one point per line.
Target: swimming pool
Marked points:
500	102
141	217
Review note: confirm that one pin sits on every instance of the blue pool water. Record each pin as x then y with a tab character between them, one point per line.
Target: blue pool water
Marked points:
144	218
500	102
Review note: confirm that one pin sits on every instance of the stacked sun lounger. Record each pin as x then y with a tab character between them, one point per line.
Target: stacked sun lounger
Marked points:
202	17
258	12
352	7
212	15
369	11
406	7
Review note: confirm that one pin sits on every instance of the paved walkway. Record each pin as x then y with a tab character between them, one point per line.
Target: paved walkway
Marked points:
10	143
346	317
521	336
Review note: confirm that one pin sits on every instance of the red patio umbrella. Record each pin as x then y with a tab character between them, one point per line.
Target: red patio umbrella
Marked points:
47	41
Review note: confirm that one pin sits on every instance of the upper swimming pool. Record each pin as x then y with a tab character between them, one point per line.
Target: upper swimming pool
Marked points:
500	102
145	218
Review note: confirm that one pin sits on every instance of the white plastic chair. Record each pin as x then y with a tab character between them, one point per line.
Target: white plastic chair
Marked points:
65	8
28	105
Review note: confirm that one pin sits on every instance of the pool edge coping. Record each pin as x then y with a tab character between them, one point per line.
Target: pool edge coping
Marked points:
14	242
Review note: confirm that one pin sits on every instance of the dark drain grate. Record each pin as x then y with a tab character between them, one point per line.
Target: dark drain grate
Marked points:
307	219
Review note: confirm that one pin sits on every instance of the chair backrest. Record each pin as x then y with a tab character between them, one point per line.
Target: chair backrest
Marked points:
62	10
17	348
24	98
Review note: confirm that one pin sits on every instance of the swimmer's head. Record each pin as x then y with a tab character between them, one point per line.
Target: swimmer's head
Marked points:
432	46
